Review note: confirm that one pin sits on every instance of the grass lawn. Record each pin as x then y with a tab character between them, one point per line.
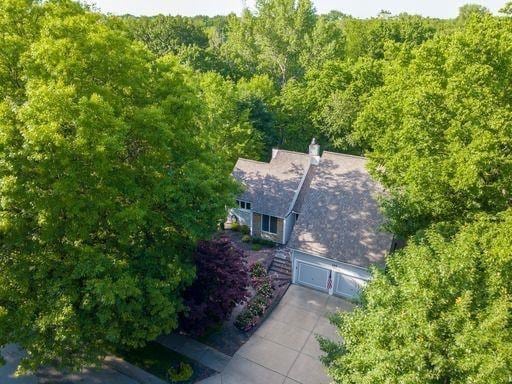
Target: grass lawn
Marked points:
156	359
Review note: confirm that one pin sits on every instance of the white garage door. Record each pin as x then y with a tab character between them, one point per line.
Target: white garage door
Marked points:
347	285
312	276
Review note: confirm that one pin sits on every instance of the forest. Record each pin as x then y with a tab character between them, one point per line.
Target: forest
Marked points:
118	135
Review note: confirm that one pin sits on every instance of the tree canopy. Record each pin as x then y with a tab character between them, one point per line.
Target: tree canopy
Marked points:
441	313
118	134
105	185
438	131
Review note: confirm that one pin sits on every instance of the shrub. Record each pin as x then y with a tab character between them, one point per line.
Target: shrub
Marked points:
256	308
256	247
264	242
246	238
246	320
221	283
235	227
266	288
183	373
245	229
257	270
2	361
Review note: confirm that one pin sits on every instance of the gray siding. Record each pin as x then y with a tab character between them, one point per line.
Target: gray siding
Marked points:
289	222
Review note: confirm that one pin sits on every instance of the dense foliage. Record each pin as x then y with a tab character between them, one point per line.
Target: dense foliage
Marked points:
221	283
442	313
117	135
440	128
105	184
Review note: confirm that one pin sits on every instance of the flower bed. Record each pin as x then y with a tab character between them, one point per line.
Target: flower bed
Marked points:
262	300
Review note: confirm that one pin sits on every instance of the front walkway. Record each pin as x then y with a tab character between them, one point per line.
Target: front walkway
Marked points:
195	350
284	350
105	375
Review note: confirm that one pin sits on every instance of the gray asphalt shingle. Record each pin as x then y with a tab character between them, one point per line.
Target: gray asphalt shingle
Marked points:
340	217
271	187
339	214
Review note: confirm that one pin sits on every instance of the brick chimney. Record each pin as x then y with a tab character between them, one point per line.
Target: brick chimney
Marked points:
314	152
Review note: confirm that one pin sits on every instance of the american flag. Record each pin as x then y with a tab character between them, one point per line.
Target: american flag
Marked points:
329	281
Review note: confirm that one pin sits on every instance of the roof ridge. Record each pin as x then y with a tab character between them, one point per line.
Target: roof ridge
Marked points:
298	153
253	161
345	155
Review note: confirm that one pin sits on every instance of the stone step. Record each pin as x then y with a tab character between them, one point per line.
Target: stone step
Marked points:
282	263
280	280
281	269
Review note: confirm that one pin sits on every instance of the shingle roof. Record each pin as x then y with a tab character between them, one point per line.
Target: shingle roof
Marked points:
340	218
271	187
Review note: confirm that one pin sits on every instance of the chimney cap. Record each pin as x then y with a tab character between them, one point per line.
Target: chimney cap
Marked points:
313	141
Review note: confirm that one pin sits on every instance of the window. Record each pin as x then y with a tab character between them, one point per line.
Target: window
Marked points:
296	216
269	224
243	204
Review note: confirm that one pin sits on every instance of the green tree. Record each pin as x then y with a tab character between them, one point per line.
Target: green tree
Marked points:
295	126
104	186
281	28
258	96
325	42
369	37
226	129
468	10
19	25
440	129
240	50
167	34
271	40
341	90
507	9
441	313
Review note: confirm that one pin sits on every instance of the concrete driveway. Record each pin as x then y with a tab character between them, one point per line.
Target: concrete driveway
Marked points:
284	349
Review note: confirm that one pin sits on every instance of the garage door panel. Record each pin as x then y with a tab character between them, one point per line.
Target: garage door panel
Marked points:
347	285
312	276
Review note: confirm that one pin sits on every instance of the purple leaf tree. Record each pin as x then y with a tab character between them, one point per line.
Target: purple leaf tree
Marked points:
221	283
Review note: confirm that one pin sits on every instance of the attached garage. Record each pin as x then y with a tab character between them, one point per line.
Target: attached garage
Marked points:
312	276
313	272
348	286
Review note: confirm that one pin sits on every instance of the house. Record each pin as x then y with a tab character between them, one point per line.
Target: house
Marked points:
323	209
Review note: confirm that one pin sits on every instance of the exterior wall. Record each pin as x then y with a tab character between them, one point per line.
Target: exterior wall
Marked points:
257	232
289	222
243	216
342	273
334	265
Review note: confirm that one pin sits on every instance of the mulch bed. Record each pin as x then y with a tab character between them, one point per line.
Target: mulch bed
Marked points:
157	359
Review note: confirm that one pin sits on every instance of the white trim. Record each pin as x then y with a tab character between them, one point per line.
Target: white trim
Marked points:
239	201
336	275
299	188
261	225
284	230
338	291
331	260
314	266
